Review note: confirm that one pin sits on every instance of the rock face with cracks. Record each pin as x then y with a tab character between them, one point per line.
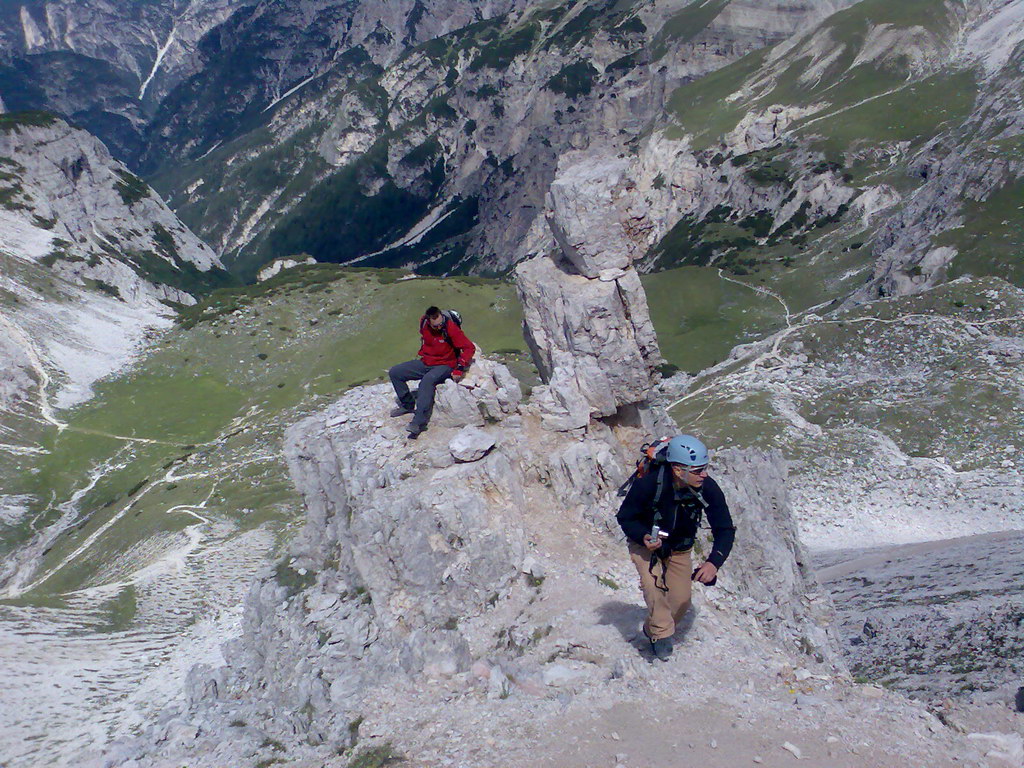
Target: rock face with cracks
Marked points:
585	312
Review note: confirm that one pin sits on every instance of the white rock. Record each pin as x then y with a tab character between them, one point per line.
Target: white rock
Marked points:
499	686
870	691
1008	747
558	674
793	748
470	444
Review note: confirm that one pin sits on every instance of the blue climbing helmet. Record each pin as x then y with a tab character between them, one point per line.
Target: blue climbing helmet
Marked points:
688	450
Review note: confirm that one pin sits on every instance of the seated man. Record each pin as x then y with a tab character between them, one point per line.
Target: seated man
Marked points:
445	351
660	518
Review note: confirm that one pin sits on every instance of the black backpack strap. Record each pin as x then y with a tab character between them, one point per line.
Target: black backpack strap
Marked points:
655	557
659	490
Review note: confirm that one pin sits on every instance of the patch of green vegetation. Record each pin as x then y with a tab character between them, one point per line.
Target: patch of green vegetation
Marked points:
424	153
11	121
165	242
700	107
625	63
699	317
914	113
44	223
377	756
720	238
500	53
587	20
991	240
131	188
293	581
178	273
440	108
119	612
103	287
631	26
852	24
353	730
343	220
443	248
58	252
769	174
574	80
11	191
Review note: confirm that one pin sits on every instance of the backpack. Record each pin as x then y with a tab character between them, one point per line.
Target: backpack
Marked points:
449	315
652	459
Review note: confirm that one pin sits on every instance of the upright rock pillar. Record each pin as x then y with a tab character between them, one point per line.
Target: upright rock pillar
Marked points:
585	311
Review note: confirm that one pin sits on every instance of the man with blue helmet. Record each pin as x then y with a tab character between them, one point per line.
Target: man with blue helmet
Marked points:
660	516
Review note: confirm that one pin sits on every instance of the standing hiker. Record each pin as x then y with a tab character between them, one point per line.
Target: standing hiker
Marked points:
660	516
444	352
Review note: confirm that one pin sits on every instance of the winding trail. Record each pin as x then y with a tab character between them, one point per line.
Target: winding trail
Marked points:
751	359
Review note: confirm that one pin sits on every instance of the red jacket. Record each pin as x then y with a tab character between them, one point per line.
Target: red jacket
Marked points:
436	350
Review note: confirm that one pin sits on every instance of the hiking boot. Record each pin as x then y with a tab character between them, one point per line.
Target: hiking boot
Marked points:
400	410
662	649
414	431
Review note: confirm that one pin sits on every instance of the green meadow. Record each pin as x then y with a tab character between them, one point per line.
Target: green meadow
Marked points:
196	427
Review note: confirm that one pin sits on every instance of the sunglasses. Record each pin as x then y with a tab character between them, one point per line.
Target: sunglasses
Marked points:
694	470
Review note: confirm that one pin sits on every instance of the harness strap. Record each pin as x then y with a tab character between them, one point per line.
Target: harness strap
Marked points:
664	570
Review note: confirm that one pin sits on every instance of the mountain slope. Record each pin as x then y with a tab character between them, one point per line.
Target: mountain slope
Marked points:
91	264
138	526
441	157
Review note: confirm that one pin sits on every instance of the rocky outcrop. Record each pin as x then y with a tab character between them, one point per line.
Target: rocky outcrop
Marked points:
90	254
436	562
488	394
16	375
103	223
585	312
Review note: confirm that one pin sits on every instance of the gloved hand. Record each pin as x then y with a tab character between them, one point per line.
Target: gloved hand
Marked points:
458	375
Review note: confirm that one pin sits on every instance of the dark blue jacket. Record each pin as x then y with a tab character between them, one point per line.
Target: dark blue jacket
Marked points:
680	514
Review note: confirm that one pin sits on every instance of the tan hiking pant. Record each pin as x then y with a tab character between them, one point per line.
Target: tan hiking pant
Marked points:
664	609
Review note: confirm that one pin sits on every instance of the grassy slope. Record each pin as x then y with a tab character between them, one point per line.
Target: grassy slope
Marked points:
862	108
920	382
218	393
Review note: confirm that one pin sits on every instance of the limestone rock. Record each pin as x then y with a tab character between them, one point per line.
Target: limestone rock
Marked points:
470	444
488	393
498	684
583	217
592	340
439	654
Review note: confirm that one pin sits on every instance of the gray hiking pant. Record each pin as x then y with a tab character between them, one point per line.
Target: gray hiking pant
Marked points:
429	375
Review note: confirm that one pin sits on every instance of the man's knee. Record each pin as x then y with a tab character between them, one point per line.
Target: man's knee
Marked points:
436	375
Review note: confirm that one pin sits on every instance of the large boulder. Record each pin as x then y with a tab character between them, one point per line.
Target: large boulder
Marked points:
488	393
584	215
591	339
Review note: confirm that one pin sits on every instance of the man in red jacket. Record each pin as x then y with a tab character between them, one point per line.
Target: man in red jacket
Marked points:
444	352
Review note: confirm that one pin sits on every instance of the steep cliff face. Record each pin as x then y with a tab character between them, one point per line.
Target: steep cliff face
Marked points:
105	65
90	254
878	127
457	139
760	136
